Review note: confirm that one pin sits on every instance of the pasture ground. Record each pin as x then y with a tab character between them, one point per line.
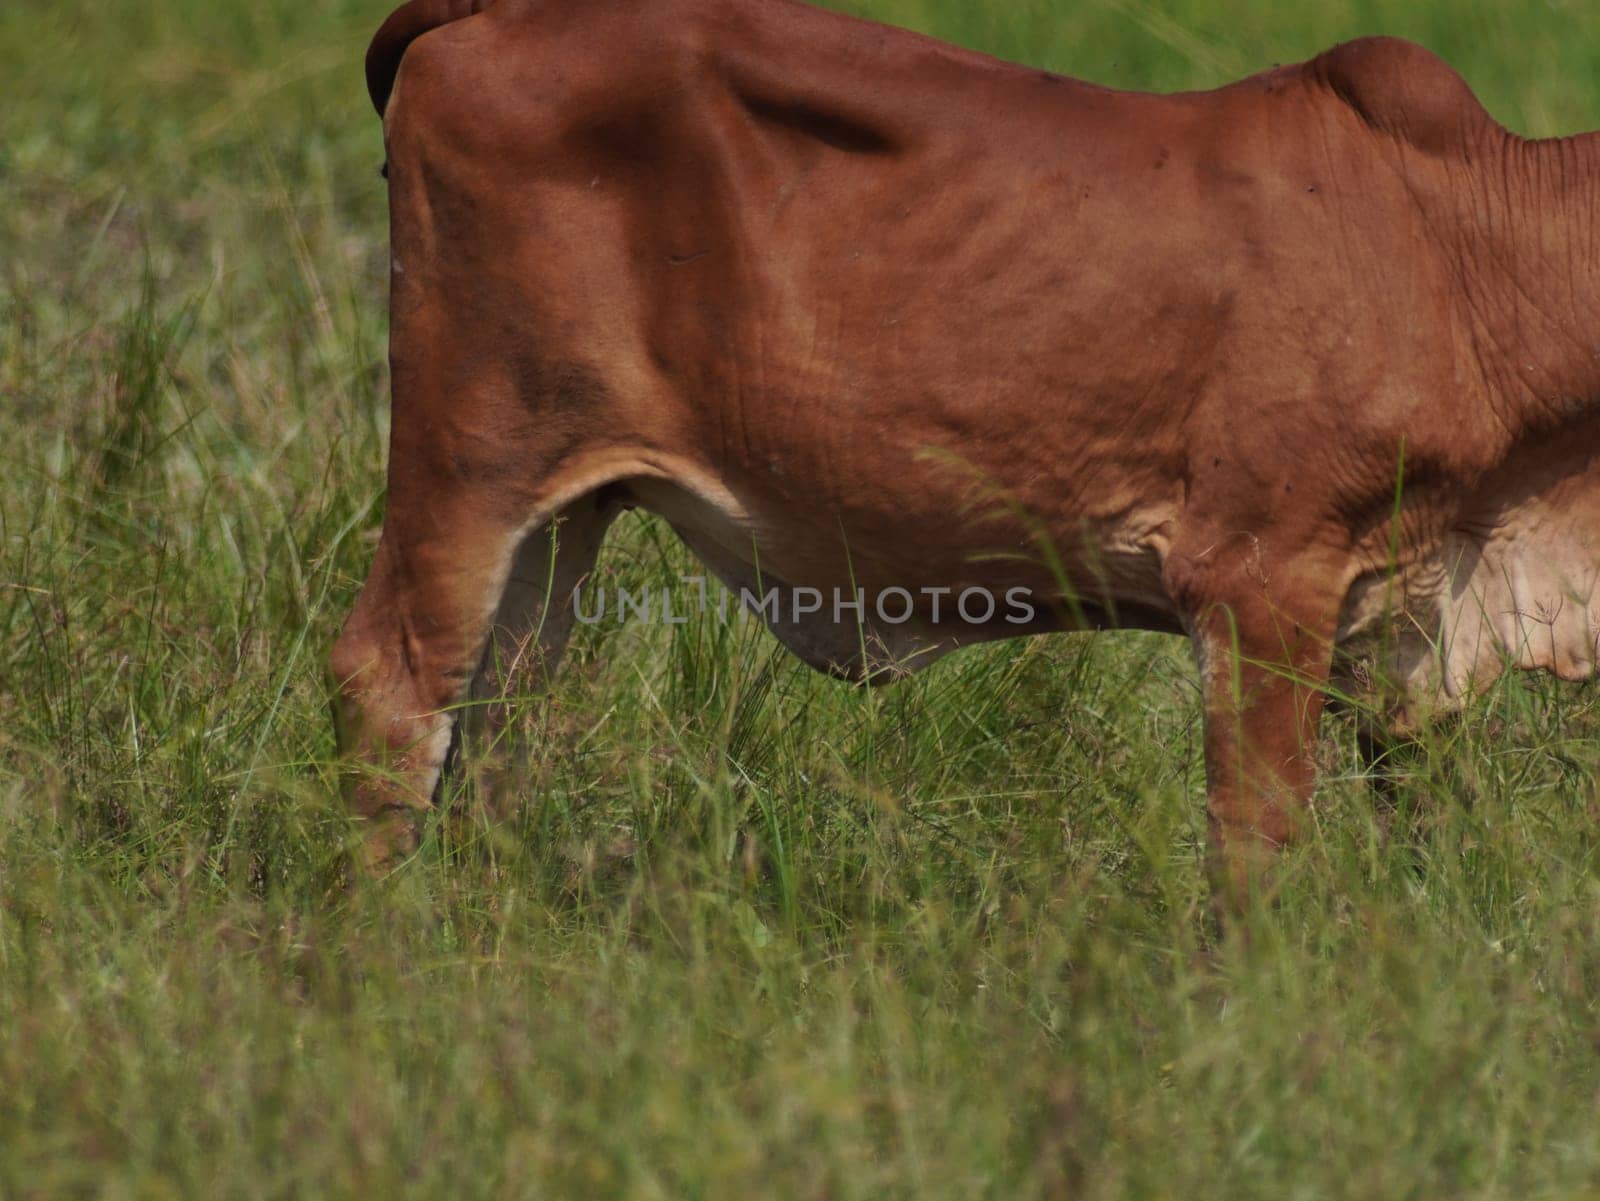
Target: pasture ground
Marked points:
739	931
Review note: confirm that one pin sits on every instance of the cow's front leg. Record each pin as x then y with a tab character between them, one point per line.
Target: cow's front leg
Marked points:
406	659
1263	636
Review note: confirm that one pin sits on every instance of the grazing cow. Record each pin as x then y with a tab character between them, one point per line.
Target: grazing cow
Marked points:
1301	365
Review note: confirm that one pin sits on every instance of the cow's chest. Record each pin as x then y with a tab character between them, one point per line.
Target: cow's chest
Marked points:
1514	582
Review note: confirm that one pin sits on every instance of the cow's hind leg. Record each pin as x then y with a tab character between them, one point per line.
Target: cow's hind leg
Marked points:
1263	634
449	563
407	656
537	610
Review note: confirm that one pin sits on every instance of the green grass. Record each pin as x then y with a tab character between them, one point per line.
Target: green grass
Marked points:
738	931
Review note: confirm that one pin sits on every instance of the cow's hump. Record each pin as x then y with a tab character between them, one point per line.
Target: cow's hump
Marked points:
1407	91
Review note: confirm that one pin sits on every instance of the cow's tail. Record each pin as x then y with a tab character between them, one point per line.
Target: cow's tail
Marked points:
404	26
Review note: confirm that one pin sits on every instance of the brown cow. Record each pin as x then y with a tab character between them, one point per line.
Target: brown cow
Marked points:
1307	362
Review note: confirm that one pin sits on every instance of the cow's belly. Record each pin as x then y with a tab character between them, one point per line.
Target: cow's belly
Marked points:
921	588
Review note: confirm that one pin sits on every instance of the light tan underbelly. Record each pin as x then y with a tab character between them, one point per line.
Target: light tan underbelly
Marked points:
1517	584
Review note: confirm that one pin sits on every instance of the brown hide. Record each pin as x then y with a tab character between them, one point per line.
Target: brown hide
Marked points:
1305	362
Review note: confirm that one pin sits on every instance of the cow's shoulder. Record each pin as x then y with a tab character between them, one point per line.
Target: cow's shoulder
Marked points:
1405	90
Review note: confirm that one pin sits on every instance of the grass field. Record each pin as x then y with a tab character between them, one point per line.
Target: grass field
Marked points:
740	932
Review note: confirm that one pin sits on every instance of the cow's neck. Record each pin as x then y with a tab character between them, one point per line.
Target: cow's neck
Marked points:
1531	277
